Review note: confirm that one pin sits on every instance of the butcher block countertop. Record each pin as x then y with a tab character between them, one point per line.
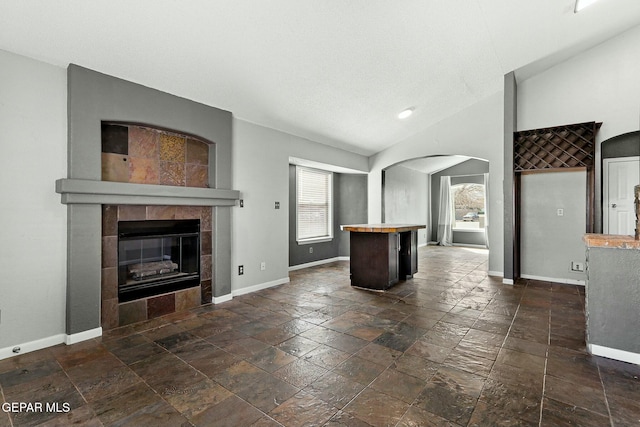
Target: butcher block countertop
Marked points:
611	241
381	228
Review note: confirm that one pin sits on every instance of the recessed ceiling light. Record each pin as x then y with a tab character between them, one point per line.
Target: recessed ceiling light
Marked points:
581	4
406	113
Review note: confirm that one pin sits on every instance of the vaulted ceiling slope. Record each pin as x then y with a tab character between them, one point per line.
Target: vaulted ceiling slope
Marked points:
334	71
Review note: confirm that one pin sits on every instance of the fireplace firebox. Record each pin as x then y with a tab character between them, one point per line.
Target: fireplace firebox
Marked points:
157	256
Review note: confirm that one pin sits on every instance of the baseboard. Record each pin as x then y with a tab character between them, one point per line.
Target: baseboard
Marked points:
500	274
221	299
30	346
614	353
554	280
469	245
319	262
83	336
259	287
459	244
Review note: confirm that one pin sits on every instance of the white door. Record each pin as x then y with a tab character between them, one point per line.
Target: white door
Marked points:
620	177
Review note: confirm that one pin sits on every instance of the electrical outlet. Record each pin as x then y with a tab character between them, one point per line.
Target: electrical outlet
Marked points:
242	203
310	249
560	212
263	265
277	205
240	270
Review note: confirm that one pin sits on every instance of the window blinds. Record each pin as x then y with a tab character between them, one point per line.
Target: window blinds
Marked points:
313	203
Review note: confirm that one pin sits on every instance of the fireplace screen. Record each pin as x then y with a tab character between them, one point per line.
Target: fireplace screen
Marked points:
156	257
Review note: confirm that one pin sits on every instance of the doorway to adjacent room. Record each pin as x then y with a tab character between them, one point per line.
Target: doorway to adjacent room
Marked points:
620	176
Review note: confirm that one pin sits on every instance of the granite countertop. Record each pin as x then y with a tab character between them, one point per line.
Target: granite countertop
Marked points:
381	228
611	241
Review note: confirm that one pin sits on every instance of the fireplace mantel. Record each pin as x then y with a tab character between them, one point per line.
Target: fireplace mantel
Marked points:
83	191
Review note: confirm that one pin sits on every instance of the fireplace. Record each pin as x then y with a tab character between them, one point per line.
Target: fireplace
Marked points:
156	257
156	260
160	185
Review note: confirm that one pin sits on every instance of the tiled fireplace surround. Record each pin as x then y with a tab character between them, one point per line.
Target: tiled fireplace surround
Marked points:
95	98
113	313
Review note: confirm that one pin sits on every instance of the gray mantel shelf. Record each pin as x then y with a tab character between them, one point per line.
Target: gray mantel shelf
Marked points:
82	191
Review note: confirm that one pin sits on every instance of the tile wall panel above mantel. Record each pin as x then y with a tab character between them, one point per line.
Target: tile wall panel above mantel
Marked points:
143	155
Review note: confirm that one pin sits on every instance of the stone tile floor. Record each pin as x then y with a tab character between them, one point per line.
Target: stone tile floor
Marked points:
451	347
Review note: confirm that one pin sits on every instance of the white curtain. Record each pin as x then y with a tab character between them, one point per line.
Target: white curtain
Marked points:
486	210
445	232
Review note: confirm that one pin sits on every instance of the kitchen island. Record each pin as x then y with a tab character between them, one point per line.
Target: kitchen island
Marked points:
382	254
613	296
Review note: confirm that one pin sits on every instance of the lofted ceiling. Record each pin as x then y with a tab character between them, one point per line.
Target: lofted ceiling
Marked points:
336	72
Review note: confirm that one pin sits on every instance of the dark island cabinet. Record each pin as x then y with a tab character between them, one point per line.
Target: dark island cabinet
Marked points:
382	254
374	260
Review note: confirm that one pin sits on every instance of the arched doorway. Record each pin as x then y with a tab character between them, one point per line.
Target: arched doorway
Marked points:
620	174
412	193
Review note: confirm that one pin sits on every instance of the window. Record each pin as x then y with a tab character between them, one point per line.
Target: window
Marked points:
468	206
314	205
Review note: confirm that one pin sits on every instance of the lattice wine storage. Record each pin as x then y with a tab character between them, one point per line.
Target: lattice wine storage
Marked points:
569	146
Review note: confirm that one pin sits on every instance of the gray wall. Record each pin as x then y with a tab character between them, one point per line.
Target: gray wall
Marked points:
261	159
33	131
625	145
350	207
476	131
405	198
613	298
468	171
548	242
600	84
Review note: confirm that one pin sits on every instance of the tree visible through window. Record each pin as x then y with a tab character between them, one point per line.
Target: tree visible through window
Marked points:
313	201
468	205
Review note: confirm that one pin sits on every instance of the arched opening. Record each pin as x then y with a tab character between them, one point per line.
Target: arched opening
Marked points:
412	193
